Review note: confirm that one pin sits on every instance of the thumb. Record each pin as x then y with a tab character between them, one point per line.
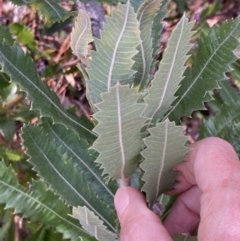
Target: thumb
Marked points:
137	222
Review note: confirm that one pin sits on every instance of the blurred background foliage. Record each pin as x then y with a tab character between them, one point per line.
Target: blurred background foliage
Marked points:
44	32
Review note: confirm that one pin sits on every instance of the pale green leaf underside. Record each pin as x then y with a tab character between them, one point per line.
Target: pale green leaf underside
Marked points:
92	224
38	204
57	168
213	59
170	73
143	59
112	62
119	125
81	36
22	70
165	149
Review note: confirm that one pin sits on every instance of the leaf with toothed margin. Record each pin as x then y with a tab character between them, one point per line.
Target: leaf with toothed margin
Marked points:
170	73
39	204
143	59
136	4
81	36
92	224
51	10
165	149
22	70
211	62
119	126
84	158
157	28
120	38
55	165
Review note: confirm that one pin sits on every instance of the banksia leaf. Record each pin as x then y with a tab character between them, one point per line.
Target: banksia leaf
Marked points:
92	224
170	72
22	70
51	10
120	37
81	36
80	156
212	61
157	27
165	149
57	168
119	125
38	204
228	93
136	4
226	125
143	59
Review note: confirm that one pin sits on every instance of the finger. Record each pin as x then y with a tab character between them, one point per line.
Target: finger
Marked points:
211	164
137	222
184	216
214	166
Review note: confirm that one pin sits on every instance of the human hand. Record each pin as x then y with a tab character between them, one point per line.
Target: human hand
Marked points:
209	188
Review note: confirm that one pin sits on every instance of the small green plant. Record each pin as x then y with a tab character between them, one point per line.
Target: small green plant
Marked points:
135	137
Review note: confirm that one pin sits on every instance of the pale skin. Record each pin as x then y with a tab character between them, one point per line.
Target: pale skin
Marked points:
209	188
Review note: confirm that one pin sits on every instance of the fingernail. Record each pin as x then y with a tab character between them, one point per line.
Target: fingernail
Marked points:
121	200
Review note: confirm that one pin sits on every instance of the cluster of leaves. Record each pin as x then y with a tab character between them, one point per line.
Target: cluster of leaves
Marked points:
134	135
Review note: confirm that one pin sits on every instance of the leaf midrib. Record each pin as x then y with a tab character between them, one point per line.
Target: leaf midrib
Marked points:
116	47
35	86
59	174
162	160
89	169
55	10
203	69
169	73
48	208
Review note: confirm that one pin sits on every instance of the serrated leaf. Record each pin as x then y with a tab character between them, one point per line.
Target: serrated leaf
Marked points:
136	4
92	224
143	58
56	167
112	62
119	125
157	27
84	158
165	149
212	60
38	204
228	93
181	237
170	72
23	34
51	10
224	125
81	36
22	70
